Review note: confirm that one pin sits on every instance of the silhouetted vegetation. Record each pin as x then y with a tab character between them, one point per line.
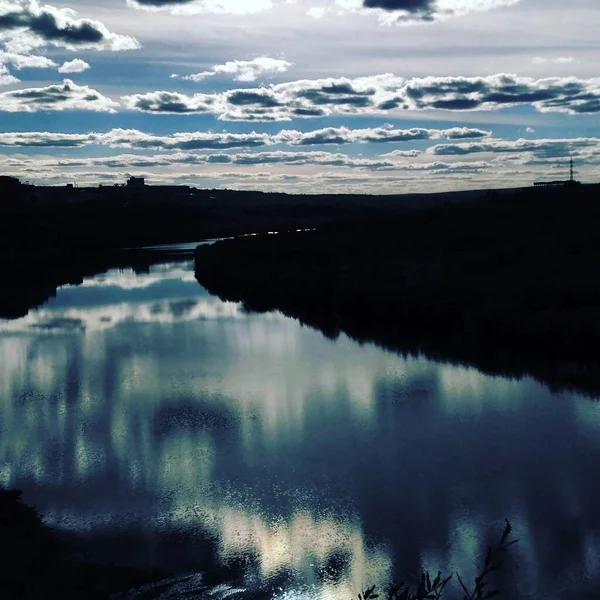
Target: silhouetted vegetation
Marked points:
50	236
508	284
432	588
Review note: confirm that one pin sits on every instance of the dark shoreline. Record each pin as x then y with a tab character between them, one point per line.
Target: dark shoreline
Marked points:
509	286
39	563
51	236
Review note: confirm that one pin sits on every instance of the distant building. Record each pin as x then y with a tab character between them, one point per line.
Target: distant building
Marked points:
136	182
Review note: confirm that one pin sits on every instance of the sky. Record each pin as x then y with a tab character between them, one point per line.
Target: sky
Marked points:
300	96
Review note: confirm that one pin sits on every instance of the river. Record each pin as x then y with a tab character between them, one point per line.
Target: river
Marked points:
160	426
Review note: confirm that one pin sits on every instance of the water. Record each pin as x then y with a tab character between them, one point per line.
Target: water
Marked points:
162	427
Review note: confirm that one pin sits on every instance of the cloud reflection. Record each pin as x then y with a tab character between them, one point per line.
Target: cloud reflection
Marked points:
316	464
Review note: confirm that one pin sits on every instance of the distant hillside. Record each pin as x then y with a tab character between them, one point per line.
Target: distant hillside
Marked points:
50	236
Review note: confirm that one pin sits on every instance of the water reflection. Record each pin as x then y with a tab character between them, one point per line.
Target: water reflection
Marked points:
169	428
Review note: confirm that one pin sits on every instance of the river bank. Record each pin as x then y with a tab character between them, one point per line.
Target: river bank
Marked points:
508	285
38	563
56	236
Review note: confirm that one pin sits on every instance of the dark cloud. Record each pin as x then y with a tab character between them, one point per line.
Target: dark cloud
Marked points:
319	97
46	26
171	102
455	104
410	10
497	91
380	94
260	98
308	112
427	11
407	5
336	94
391	105
59	27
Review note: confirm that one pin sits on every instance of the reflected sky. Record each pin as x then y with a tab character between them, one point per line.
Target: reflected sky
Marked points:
168	428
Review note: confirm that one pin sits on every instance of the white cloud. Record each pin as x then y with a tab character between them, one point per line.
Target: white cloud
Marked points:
316	12
560	60
74	66
244	70
6	78
394	161
57	97
563	60
202	140
189	7
520	161
26	61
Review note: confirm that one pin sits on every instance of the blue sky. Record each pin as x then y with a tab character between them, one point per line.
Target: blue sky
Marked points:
377	96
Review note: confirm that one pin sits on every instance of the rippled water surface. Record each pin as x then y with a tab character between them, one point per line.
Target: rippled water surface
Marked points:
163	427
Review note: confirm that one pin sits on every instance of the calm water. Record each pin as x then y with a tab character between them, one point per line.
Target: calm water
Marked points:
164	427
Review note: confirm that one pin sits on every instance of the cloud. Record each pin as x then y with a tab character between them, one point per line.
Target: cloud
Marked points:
50	26
198	140
396	161
541	148
6	78
161	3
47	140
325	172
244	159
402	154
386	134
388	11
567	94
409	12
378	95
26	61
74	66
171	102
202	140
57	97
280	102
244	70
186	7
463	133
561	60
316	12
